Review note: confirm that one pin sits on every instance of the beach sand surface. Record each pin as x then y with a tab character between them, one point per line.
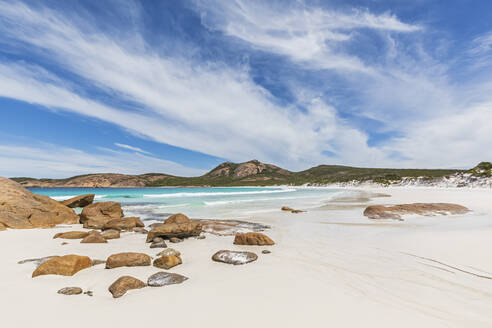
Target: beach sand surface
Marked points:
330	267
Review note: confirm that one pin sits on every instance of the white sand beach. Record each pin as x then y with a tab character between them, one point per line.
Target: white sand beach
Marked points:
330	267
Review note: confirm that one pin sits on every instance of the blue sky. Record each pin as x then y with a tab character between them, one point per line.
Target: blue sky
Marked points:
180	86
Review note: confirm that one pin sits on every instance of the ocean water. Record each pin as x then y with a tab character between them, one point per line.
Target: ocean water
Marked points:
234	202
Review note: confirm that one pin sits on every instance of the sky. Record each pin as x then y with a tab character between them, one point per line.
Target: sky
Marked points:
178	87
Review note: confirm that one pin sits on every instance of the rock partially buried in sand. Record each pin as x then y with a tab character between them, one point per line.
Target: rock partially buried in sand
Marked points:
111	234
234	257
140	230
158	244
70	291
162	278
289	209
395	211
124	284
94	237
67	265
128	259
124	224
179	226
71	235
97	262
265	251
167	261
96	215
21	209
175	240
79	201
253	238
230	227
169	252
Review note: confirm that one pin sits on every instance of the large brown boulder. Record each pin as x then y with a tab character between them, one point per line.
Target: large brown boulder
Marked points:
96	215
20	208
179	230
127	259
123	224
71	235
177	218
67	265
79	201
253	238
395	211
124	284
111	234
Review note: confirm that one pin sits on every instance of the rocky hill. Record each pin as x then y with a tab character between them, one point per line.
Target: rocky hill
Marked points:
256	173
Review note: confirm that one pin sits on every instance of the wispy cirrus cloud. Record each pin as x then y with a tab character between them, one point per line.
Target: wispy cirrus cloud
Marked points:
139	150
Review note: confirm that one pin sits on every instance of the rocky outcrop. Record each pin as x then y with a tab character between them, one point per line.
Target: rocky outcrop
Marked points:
70	291
179	226
94	237
124	284
124	224
234	257
253	238
428	209
71	235
160	279
111	234
167	261
67	265
79	201
128	259
21	209
96	215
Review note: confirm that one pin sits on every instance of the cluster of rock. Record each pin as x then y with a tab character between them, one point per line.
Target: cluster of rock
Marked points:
288	209
396	211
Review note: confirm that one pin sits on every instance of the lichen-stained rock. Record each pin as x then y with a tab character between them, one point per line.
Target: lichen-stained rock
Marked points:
177	218
127	259
253	238
94	237
162	278
395	211
234	257
21	209
70	291
67	265
79	201
230	227
71	235
124	224
167	261
179	230
111	234
124	284
96	215
168	252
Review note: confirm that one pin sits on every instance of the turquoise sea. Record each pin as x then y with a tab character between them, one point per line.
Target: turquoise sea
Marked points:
235	202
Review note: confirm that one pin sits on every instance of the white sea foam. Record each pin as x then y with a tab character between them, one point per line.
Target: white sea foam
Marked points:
59	198
205	194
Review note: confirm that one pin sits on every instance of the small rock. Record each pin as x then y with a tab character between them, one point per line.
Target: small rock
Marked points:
94	237
234	257
297	211
124	224
175	240
167	261
158	244
67	265
124	284
177	218
64	243
111	234
127	259
201	237
155	225
71	235
160	279
79	201
70	291
157	239
169	252
97	262
140	230
89	293
252	238
287	208
265	251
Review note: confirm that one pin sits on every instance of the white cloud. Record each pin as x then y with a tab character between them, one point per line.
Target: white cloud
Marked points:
140	150
51	161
